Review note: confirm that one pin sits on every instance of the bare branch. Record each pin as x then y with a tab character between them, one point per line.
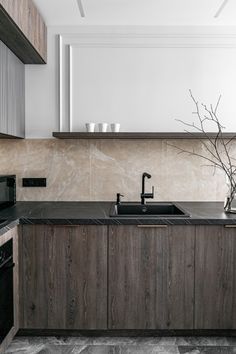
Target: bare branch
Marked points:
181	151
217	148
217	104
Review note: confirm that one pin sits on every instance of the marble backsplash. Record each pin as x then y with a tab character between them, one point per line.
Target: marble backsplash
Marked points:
82	170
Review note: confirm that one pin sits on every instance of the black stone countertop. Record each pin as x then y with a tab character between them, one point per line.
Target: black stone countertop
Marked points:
97	213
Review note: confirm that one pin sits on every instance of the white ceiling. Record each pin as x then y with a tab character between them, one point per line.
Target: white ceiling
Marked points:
137	12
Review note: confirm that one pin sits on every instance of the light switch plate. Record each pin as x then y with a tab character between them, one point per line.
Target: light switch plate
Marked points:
34	182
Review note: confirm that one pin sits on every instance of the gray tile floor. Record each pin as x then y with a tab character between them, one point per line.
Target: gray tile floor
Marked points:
122	345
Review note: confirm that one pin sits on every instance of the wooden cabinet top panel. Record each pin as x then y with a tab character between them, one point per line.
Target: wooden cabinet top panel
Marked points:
23	30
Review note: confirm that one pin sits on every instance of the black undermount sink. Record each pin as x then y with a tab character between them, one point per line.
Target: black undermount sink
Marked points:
150	209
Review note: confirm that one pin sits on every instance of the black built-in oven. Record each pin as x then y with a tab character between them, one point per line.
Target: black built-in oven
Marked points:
7	190
6	289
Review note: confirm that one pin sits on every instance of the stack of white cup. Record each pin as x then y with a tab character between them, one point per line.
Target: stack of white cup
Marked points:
102	127
90	127
115	127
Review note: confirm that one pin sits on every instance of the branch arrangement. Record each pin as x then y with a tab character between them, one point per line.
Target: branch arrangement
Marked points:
218	149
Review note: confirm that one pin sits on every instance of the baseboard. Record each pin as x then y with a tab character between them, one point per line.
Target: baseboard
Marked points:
127	333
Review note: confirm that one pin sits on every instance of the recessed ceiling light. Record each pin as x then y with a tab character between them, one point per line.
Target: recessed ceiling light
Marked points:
81	9
221	8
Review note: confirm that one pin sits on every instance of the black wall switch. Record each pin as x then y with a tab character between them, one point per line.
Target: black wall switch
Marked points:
34	182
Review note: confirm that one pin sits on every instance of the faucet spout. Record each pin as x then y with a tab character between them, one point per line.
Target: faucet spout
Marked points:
143	194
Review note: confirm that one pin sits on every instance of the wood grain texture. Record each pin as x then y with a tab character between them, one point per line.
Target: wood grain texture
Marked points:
12	94
64	277
215	284
12	234
23	30
136	135
151	277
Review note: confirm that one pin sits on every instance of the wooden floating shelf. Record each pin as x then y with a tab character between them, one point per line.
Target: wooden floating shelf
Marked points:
134	135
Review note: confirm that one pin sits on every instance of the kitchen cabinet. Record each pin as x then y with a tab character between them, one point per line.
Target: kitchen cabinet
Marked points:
151	277
127	277
215	277
12	235
23	30
64	277
12	94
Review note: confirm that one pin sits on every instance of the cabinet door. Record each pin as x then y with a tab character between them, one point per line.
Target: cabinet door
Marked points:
15	96
3	87
64	277
12	234
12	94
151	277
215	283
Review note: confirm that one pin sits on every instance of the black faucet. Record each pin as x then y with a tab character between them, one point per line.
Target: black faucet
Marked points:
118	196
143	194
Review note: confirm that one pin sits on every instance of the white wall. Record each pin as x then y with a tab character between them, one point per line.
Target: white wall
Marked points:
147	90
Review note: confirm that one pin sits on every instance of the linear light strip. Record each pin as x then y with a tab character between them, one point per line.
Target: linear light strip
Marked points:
224	3
71	88
60	40
81	9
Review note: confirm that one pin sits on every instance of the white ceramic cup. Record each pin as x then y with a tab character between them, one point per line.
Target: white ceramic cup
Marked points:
102	127
90	127
115	127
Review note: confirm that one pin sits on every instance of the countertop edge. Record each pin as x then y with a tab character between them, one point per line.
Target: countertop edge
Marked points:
97	213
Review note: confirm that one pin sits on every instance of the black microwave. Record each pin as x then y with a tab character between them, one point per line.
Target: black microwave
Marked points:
7	190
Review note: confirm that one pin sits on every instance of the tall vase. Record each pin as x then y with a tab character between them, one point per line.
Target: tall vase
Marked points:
230	201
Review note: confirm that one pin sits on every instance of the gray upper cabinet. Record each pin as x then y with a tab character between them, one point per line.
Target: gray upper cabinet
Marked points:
3	88
12	94
23	40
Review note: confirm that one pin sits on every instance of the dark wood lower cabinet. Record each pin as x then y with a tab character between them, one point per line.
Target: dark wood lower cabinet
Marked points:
64	277
215	278
151	277
127	277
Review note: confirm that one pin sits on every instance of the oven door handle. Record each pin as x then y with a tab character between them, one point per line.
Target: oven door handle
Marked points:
7	267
